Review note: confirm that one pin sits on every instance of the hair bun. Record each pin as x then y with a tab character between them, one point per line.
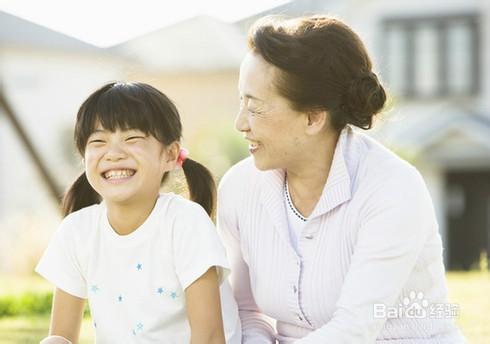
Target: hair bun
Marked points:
363	98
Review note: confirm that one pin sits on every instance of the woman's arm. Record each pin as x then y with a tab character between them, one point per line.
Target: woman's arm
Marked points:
256	327
204	309
66	317
395	222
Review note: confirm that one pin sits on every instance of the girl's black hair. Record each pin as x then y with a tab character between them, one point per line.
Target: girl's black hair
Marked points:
133	105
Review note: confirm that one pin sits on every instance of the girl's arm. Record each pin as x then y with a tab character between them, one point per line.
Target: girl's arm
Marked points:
204	309
66	316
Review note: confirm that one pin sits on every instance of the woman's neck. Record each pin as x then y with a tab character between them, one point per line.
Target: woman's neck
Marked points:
307	179
125	218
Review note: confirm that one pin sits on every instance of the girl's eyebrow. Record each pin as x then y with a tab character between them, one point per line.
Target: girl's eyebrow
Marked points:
96	131
99	131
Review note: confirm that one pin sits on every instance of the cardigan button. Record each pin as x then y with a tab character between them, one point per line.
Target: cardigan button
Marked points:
309	236
295	289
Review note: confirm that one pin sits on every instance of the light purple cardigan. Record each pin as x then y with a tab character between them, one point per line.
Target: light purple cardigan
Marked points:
372	241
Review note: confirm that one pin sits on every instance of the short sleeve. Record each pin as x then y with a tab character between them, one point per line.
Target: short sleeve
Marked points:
59	263
197	246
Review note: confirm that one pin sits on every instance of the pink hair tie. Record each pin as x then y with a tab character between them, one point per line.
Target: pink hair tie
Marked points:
182	156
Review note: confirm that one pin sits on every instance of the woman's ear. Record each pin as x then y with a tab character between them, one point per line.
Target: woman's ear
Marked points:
317	121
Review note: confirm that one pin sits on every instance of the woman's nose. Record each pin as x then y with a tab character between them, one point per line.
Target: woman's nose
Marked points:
241	121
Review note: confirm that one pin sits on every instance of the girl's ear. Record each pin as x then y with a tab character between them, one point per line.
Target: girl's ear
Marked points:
172	151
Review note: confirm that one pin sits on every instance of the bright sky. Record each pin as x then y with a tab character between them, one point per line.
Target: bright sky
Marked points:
108	22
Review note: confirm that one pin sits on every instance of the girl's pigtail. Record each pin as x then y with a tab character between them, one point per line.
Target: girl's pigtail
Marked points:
79	195
202	187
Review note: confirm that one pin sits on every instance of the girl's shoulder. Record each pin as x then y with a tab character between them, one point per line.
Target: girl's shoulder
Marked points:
84	219
84	215
175	206
77	228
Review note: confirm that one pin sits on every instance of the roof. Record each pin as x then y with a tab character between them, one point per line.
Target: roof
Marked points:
429	130
20	32
199	43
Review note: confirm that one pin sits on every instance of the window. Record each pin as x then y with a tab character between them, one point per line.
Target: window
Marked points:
432	56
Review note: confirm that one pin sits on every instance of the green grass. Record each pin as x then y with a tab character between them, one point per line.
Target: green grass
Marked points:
25	328
15	285
31	329
470	290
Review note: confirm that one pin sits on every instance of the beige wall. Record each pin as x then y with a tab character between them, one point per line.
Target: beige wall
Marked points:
207	102
201	97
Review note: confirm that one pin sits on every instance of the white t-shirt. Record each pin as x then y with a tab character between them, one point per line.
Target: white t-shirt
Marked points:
135	283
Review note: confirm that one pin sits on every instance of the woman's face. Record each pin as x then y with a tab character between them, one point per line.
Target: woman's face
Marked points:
274	130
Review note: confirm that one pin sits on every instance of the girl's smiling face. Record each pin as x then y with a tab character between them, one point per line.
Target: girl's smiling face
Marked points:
126	165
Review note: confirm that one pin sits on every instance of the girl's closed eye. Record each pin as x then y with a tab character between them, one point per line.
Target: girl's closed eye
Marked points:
135	138
96	141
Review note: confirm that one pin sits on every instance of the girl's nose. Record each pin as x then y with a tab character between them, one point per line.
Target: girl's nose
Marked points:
115	153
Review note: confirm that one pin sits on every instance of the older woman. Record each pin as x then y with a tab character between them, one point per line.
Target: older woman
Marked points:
332	238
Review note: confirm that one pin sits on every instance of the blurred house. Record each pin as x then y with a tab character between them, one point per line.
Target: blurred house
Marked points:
432	57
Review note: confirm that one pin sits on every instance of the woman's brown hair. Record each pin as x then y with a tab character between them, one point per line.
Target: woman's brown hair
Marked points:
324	66
139	106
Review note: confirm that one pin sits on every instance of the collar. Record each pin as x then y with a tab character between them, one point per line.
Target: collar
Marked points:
337	189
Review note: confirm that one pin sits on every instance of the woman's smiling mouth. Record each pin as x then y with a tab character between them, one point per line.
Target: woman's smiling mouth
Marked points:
253	146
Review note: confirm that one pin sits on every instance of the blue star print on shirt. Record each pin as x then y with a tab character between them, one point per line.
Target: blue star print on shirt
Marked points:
139	328
139	266
119	298
94	288
173	295
160	290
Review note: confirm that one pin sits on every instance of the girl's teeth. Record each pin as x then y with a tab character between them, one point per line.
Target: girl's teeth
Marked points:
117	174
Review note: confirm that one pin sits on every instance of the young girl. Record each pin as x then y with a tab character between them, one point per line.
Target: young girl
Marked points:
151	265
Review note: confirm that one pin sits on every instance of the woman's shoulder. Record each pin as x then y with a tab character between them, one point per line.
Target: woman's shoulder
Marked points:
383	176
239	176
379	163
